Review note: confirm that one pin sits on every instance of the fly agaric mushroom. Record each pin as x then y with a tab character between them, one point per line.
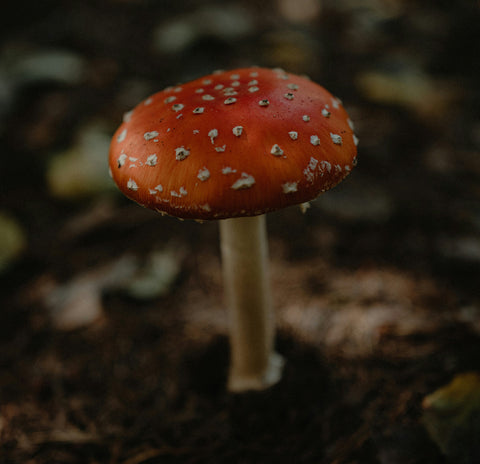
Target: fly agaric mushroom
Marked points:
234	146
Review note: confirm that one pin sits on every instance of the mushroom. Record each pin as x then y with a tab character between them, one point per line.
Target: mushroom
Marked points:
233	146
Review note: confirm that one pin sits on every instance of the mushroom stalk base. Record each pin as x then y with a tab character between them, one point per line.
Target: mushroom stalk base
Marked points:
254	364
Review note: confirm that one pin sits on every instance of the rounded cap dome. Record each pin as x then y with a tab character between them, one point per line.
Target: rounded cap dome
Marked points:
234	143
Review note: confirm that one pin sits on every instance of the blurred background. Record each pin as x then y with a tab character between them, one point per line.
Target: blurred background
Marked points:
113	343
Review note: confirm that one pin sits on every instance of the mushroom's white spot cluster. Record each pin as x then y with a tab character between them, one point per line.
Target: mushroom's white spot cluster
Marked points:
207	81
336	102
325	112
276	150
151	160
181	153
293	135
127	116
290	187
322	167
228	170
199	110
306	117
235	84
150	135
292	86
208	97
177	89
170	99
310	169
264	102
325	165
253	89
195	132
213	134
254	74
312	164
350	124
148	101
253	82
230	92
203	174
235	77
244	182
121	160
220	149
281	74
230	100
132	185
355	140
237	130
132	162
289	96
181	193
336	139
199	90
122	136
315	140
304	207
177	107
219	87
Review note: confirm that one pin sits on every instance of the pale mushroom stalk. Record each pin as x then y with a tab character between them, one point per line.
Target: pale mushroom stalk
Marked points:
254	365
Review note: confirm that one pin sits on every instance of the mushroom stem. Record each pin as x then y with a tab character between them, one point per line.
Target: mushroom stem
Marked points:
254	364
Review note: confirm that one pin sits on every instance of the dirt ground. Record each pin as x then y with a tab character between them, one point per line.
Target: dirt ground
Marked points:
113	332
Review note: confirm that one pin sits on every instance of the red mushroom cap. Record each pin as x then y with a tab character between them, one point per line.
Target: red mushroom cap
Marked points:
236	143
